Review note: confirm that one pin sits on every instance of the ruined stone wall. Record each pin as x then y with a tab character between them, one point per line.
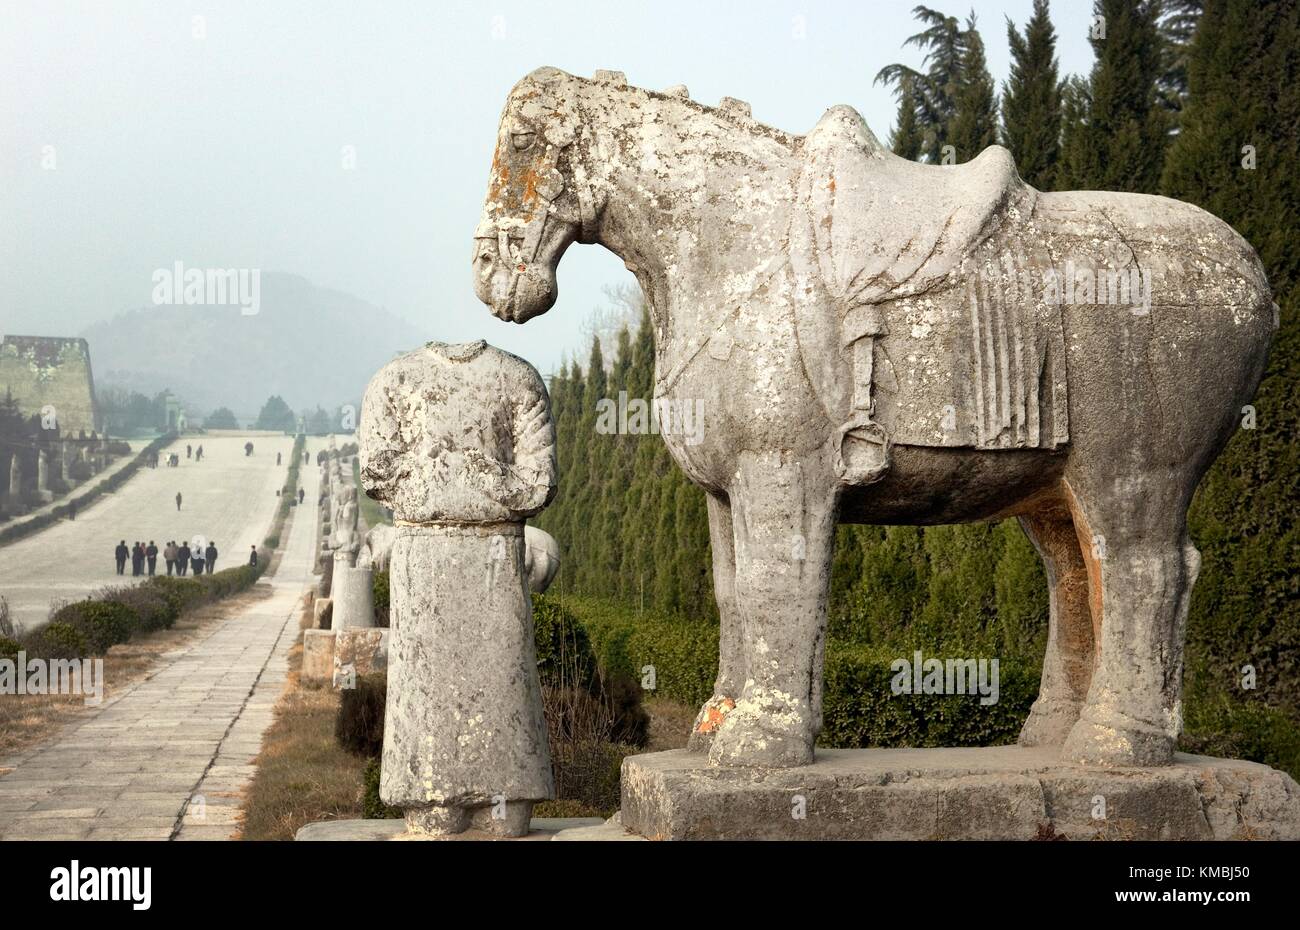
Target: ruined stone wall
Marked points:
54	371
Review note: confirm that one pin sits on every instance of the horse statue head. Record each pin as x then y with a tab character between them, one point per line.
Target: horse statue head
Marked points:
538	201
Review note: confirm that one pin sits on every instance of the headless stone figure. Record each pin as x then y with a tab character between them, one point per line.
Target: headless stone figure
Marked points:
458	441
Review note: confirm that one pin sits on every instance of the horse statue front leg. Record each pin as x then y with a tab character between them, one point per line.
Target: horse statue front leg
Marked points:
731	635
784	510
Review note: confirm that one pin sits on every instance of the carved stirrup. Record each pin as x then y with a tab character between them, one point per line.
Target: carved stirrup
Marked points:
862	427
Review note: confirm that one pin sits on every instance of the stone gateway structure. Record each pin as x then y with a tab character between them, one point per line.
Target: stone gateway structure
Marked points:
51	371
877	341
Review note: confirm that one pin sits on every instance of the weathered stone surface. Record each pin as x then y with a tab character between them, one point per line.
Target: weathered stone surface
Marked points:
540	828
51	372
323	613
541	559
848	336
317	656
352	591
458	441
1001	792
359	652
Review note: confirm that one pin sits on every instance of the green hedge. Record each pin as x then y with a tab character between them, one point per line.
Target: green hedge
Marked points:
859	707
93	626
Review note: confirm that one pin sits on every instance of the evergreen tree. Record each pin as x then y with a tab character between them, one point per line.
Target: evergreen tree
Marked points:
907	139
935	90
276	415
221	418
1117	140
1031	99
1236	155
975	113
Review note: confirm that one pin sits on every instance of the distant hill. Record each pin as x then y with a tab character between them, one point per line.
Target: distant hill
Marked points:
307	344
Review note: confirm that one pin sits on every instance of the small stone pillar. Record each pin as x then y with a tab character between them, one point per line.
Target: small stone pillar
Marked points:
353	594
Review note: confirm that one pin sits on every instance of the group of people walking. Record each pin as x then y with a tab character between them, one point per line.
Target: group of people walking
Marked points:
181	560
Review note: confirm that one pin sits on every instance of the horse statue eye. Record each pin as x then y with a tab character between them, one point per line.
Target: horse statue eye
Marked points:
522	140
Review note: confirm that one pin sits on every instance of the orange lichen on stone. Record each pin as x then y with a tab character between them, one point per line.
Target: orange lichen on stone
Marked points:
714	716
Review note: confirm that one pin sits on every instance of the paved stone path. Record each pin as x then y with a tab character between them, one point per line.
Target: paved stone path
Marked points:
228	498
168	758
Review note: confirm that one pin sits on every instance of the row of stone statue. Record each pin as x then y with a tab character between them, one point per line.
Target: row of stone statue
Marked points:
94	453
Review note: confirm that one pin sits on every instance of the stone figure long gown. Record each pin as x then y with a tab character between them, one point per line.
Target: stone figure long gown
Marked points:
458	441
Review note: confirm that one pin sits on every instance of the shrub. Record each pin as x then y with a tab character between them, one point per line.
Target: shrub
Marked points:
372	806
103	624
359	726
1242	728
860	708
9	647
379	588
155	610
181	593
57	640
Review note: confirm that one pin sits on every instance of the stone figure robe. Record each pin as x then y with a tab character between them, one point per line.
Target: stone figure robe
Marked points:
458	441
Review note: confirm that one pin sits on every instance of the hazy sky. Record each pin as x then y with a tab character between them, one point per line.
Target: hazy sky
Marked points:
225	150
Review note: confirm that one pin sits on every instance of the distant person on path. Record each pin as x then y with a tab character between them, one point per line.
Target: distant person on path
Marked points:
198	455
119	555
211	553
137	559
72	509
248	449
252	556
189	450
196	560
183	559
301	494
151	556
169	555
178	500
277	458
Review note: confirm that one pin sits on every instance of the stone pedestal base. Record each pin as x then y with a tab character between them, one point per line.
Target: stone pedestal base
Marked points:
995	793
359	652
317	657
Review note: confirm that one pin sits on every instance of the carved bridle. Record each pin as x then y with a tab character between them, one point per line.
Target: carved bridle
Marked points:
534	231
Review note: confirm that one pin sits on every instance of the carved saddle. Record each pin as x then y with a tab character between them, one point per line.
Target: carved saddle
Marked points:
890	240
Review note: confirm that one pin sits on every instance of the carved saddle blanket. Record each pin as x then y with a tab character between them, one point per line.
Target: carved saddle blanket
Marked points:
929	272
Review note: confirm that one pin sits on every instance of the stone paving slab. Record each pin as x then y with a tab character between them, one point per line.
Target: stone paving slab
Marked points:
137	766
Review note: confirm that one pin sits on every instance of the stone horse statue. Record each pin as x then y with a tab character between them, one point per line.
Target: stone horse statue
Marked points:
878	341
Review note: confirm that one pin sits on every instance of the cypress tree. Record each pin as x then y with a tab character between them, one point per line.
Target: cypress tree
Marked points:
907	139
1236	155
1117	142
975	112
935	90
1031	99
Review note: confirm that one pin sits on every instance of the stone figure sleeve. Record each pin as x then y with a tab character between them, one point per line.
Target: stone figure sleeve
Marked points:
380	448
527	484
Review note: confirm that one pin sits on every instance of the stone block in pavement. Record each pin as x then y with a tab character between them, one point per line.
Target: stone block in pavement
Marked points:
1000	792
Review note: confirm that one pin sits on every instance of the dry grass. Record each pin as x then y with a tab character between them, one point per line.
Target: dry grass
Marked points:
28	719
670	723
303	775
